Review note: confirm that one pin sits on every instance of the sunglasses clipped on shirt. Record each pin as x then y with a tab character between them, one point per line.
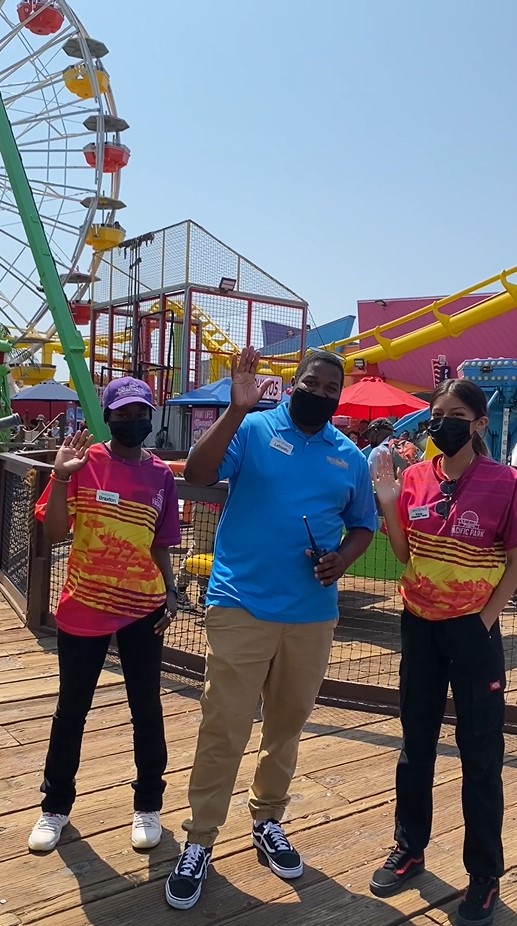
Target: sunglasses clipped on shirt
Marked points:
443	507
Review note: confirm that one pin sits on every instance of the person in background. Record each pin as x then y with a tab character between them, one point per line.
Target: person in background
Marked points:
379	434
452	521
121	502
35	430
421	436
354	437
363	434
273	604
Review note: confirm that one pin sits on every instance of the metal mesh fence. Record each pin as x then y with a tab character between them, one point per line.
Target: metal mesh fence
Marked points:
149	278
17	520
366	648
59	559
222	325
176	257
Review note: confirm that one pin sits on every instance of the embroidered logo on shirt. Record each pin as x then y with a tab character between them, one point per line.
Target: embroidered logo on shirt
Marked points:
157	501
467	525
337	461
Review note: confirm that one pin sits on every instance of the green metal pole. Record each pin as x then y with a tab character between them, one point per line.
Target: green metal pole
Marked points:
70	337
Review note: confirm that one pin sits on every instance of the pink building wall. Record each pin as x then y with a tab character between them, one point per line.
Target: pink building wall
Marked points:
495	338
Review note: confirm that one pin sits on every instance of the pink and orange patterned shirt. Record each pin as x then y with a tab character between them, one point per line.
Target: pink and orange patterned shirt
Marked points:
118	509
456	562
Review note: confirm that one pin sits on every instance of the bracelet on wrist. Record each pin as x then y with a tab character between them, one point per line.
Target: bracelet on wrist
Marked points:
57	477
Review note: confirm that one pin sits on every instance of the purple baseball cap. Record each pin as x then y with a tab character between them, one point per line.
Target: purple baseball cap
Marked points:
126	390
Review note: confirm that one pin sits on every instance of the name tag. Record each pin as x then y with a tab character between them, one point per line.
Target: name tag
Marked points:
282	445
418	514
107	498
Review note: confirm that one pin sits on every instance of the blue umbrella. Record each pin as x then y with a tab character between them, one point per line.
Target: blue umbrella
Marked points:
49	391
213	395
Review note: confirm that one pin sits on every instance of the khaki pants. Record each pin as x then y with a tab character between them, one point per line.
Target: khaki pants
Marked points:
246	657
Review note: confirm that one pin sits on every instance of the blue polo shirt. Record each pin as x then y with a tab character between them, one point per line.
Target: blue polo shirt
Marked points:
276	475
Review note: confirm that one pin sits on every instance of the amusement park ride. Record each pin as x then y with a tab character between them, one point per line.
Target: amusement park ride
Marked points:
59	196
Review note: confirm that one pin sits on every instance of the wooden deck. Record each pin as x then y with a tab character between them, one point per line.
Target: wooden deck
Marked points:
340	817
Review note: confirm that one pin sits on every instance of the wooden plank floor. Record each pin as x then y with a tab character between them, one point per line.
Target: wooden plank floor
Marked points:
340	817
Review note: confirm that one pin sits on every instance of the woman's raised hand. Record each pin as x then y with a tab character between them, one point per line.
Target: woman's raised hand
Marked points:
386	486
73	453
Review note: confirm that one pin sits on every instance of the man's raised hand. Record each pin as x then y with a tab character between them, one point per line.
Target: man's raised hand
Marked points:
245	393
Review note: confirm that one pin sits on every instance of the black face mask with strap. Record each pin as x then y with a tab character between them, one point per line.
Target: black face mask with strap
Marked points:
131	433
450	434
311	410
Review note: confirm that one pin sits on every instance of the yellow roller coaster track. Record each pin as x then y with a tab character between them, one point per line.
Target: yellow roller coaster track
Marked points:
220	346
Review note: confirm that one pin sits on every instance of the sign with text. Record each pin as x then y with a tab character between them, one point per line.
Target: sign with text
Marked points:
441	370
273	392
202	420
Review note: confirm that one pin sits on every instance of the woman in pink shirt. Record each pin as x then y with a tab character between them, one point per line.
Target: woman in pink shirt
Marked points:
120	501
452	521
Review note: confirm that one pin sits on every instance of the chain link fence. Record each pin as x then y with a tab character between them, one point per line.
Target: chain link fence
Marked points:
364	661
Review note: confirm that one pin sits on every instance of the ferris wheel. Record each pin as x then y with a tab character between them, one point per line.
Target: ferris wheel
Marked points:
58	97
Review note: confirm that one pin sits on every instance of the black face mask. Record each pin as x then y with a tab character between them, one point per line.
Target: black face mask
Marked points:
450	434
311	410
131	433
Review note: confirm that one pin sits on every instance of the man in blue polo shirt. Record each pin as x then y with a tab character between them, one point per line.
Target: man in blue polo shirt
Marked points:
272	611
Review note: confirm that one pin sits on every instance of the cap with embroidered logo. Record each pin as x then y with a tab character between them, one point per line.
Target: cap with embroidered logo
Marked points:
126	390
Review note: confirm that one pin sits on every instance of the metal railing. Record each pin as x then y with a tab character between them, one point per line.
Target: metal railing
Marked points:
364	662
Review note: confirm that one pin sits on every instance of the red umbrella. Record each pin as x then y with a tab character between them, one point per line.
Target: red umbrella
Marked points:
372	398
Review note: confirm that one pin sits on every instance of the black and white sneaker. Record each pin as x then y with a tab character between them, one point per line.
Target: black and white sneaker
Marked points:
283	859
184	885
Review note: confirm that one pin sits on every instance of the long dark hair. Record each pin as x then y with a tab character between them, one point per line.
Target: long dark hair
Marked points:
470	395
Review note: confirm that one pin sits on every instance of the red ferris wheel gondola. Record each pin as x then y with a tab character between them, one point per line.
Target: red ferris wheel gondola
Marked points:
40	17
116	156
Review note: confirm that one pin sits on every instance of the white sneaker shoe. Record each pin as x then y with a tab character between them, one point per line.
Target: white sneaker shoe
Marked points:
147	829
47	832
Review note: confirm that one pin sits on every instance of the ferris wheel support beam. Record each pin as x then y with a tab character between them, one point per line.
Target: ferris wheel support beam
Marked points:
71	340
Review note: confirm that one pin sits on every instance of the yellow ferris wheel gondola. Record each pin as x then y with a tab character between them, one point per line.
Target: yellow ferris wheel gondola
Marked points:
77	79
104	237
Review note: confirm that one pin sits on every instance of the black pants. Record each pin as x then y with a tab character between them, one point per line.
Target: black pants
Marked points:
459	651
80	664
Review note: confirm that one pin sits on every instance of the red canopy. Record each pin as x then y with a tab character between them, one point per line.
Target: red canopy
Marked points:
372	398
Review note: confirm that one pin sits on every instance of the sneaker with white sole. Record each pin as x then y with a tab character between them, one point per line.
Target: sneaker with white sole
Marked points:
147	829
184	885
282	857
46	833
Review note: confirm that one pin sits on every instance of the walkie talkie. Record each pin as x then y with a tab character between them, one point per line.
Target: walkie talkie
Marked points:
316	553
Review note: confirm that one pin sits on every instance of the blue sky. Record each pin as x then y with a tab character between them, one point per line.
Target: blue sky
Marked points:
352	148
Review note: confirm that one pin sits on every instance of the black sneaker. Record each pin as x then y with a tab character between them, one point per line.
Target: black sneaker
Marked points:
399	867
283	859
184	885
477	906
